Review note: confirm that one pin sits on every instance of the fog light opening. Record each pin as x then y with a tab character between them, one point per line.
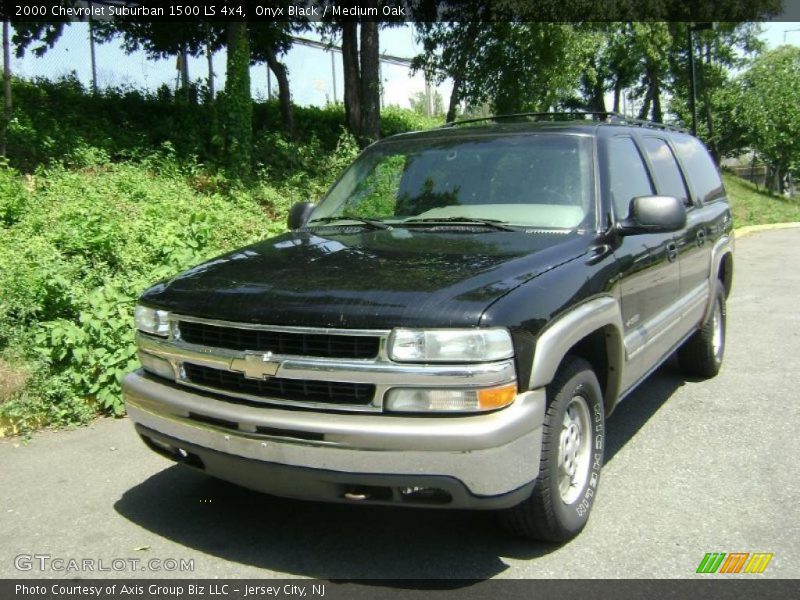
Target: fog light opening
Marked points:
425	495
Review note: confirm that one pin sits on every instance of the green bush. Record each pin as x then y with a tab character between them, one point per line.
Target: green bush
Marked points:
52	119
88	242
13	196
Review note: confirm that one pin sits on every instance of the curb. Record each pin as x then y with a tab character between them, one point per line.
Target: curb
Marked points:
751	229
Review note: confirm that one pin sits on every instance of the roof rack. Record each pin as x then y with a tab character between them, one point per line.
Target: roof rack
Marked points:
576	115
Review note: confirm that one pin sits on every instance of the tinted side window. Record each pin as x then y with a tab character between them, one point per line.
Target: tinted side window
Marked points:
627	175
699	167
666	170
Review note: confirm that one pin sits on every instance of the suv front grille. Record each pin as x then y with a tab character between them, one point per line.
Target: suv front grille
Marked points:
298	390
280	342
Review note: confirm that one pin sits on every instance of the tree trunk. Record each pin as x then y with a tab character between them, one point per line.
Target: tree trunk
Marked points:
184	70
210	60
658	115
617	94
7	106
352	76
284	92
645	110
370	83
711	141
238	112
455	98
598	97
652	98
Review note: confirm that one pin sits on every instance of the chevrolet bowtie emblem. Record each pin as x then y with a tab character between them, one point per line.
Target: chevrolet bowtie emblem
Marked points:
256	365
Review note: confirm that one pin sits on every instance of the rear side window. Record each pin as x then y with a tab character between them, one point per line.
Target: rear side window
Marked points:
627	175
701	170
666	170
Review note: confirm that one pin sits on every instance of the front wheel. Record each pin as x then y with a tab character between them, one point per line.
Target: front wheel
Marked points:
572	455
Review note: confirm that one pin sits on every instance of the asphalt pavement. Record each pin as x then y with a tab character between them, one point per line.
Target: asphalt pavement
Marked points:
691	467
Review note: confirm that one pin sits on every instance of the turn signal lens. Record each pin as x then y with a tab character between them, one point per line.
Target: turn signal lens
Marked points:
450	400
498	397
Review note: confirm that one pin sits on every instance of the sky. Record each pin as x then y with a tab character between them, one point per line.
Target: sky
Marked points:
310	69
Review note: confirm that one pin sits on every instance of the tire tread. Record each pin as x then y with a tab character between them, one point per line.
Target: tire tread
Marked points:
535	518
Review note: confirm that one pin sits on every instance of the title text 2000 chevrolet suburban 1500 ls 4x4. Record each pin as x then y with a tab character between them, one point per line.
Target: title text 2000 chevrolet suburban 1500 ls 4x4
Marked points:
451	324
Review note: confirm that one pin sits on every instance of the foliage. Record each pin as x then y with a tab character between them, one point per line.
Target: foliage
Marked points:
90	238
521	66
13	196
419	104
768	108
52	118
237	106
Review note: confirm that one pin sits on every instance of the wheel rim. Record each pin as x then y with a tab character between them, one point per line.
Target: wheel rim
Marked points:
718	331
574	450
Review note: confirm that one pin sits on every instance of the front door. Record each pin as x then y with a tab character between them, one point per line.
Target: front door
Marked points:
649	267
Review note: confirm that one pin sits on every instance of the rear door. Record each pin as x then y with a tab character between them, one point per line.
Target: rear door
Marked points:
712	216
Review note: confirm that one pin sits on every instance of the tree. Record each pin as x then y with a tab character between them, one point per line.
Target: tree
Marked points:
769	111
361	70
238	113
269	40
718	52
370	82
520	66
7	104
426	106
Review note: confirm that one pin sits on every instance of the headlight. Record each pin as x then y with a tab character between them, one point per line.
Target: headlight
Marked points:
450	345
151	320
453	400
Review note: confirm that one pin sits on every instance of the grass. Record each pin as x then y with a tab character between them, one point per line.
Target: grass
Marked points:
753	207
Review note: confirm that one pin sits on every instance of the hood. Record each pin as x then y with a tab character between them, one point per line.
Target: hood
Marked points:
371	279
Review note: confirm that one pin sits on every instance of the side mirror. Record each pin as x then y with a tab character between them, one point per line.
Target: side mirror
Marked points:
299	213
653	214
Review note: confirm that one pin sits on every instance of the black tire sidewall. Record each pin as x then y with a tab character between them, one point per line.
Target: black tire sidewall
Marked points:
573	517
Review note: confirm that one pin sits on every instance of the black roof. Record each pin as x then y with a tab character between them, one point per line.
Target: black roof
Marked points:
573	122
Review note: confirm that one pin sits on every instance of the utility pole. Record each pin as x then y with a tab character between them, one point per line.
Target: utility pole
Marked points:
428	107
91	51
692	81
333	74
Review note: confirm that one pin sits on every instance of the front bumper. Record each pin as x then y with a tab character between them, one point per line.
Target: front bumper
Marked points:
477	461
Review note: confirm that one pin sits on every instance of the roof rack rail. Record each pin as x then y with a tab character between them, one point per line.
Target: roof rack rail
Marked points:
605	116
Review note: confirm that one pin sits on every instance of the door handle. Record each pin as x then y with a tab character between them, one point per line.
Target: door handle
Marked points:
701	237
672	252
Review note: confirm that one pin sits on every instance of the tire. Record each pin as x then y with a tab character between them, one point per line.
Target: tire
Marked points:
559	505
701	355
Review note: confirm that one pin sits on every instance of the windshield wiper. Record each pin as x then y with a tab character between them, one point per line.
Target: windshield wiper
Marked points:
493	223
371	222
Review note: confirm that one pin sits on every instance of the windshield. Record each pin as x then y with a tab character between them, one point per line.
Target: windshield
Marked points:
535	180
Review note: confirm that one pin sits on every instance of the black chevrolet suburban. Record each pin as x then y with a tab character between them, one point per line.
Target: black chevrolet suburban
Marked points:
451	324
